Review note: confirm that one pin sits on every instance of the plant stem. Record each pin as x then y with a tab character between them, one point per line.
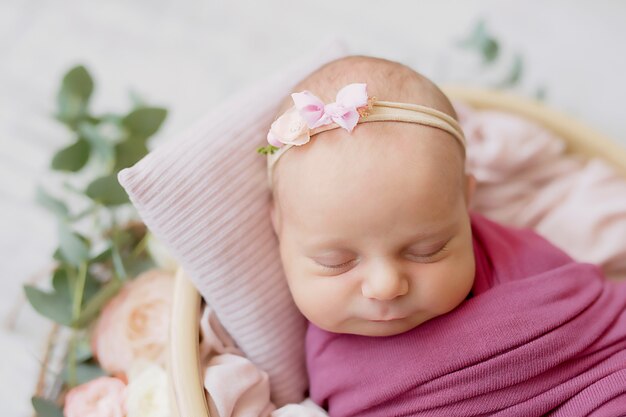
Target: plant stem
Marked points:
141	246
77	300
95	304
79	289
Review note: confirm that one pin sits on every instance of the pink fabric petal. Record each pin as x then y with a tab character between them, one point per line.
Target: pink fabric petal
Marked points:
335	110
344	117
352	95
310	107
324	120
348	120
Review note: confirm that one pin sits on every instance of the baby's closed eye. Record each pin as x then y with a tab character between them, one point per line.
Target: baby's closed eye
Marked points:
432	254
425	255
334	261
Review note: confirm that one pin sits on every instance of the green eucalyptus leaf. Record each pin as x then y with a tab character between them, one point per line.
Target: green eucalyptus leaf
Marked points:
135	266
83	350
78	82
515	73
60	283
129	152
92	286
46	408
107	191
53	204
103	256
118	263
480	41
101	146
73	157
112	118
74	249
73	97
476	38
62	286
85	372
53	305
490	50
58	256
144	121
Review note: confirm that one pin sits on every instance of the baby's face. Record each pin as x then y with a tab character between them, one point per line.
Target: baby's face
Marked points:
375	240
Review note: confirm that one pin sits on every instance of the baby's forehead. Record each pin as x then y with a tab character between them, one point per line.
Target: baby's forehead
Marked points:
376	158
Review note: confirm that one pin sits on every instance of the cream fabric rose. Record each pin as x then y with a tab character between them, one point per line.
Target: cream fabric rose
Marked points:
101	397
146	394
289	129
135	323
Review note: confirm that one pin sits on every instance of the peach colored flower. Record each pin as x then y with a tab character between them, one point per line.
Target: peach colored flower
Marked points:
135	323
289	129
101	397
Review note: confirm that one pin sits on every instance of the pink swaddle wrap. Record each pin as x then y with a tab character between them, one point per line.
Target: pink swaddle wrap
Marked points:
542	334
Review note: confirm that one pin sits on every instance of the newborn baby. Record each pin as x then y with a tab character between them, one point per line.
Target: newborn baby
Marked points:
409	295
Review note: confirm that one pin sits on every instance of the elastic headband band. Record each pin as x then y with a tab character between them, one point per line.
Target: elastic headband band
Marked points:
310	116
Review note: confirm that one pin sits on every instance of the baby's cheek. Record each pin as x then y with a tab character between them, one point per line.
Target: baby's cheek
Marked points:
458	283
321	300
444	287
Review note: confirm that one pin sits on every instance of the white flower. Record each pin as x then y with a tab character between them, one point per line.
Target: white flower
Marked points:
147	391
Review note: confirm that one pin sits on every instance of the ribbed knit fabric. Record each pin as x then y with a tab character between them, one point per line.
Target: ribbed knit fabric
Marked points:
542	335
204	194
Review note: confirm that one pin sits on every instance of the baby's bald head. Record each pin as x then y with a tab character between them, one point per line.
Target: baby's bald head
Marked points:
372	152
386	80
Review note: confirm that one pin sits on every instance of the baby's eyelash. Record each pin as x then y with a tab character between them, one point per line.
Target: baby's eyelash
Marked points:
335	266
437	252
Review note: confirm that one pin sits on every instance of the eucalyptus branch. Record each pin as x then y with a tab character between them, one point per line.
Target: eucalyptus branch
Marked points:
83	281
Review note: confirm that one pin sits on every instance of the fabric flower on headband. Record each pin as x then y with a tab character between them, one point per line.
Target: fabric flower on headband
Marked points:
293	127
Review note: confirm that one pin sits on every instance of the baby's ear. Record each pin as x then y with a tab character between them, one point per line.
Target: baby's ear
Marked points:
470	187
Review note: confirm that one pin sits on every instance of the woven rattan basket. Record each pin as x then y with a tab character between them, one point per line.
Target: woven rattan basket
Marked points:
186	379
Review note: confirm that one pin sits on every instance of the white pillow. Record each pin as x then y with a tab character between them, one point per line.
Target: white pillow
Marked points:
204	194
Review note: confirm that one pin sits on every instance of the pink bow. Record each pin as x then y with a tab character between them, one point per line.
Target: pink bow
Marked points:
343	111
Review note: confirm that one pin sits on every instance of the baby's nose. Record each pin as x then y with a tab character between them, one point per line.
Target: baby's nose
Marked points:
385	282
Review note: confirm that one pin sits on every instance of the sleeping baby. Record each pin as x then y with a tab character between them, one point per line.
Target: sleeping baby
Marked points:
415	304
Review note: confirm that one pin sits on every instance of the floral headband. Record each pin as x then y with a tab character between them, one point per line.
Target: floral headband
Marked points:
310	116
